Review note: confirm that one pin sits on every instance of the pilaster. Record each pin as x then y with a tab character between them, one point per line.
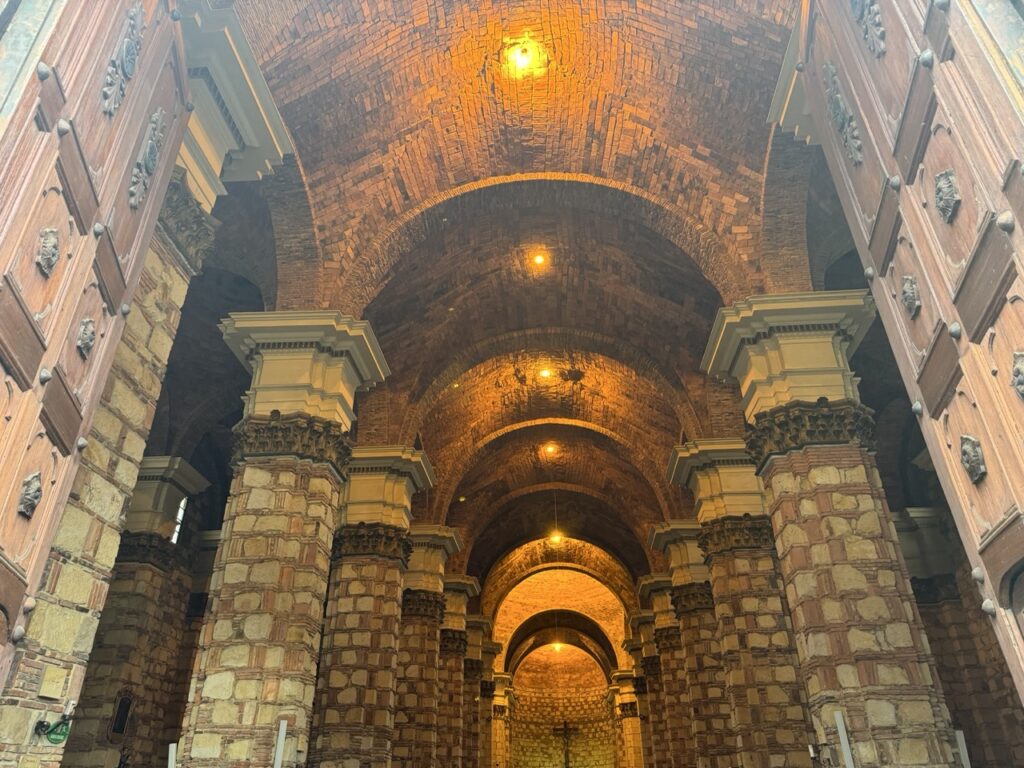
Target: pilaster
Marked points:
658	742
627	716
454	646
478	628
862	652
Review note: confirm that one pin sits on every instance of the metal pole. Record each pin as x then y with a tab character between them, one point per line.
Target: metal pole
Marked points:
282	729
172	755
961	745
844	740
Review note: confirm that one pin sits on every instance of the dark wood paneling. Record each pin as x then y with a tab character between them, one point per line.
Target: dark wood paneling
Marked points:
61	414
915	122
108	272
981	289
940	372
21	343
76	178
12	593
936	29
51	101
1013	188
886	227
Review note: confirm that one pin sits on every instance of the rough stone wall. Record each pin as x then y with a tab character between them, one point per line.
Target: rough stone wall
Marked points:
549	694
678	711
416	679
136	654
260	641
451	696
49	667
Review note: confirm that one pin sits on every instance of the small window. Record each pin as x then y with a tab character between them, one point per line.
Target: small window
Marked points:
122	711
1017	600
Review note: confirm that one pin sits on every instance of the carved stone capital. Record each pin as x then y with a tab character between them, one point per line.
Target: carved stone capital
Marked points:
298	435
500	712
799	424
454	642
373	540
689	598
149	549
472	669
486	689
730	534
423	604
189	228
629	709
935	589
651	666
668	639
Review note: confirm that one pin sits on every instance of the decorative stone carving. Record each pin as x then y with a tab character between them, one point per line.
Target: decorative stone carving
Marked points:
869	16
486	689
688	598
729	534
148	160
973	458
947	195
423	604
374	539
299	435
842	116
86	337
640	685
48	253
910	296
150	549
651	666
453	642
629	709
1017	373
124	61
500	712
31	494
668	639
472	669
186	224
798	424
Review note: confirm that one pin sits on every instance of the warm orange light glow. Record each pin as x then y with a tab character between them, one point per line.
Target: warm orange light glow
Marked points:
550	449
538	259
558	647
545	373
462	498
525	58
555	537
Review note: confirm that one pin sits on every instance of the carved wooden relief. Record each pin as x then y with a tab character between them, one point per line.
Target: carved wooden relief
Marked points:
868	16
915	122
940	372
21	343
982	287
124	61
841	116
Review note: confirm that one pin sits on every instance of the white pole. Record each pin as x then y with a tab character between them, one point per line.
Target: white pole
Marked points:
961	745
844	739
282	729
172	755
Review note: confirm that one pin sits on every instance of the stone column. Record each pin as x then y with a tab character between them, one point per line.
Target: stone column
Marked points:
863	655
677	711
354	721
453	706
261	635
659	754
417	686
766	698
714	744
627	714
477	629
635	647
488	688
134	658
501	722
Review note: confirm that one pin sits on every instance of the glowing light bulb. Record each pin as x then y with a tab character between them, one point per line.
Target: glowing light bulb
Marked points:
522	56
545	373
555	537
550	449
558	647
538	259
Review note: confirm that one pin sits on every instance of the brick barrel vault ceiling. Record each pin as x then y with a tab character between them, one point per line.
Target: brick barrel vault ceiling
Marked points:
395	104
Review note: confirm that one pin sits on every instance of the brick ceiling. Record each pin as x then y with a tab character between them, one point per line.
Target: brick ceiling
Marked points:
541	249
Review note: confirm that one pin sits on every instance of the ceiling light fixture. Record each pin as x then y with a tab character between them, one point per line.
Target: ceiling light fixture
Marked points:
525	57
545	373
558	647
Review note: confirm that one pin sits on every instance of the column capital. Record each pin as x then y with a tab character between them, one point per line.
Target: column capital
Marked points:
678	540
730	534
381	482
310	362
721	475
799	424
688	598
786	347
458	589
163	482
432	545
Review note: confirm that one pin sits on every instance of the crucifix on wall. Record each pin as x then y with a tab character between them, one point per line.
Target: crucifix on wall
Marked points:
566	732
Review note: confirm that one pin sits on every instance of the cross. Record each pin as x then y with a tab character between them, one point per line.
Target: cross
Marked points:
566	732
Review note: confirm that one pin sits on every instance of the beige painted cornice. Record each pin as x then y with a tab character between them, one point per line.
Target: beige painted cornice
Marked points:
394	460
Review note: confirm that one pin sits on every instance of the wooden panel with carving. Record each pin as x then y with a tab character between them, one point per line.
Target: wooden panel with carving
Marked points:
913	298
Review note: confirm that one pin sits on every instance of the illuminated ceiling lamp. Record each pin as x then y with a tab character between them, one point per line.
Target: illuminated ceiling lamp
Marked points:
555	537
524	57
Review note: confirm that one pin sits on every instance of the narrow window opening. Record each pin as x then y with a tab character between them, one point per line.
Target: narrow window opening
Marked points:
119	723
